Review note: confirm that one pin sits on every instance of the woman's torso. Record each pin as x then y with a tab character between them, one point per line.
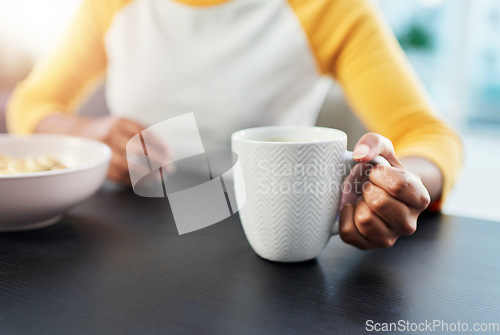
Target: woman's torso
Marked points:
236	64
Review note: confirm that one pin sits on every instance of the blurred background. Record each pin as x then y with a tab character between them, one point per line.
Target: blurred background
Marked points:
454	46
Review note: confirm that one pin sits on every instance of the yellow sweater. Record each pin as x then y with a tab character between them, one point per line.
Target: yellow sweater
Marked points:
238	64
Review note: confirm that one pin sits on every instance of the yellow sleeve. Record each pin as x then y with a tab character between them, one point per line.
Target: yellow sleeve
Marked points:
61	80
351	43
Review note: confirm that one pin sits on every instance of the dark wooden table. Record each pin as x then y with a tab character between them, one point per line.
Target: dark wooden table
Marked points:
115	265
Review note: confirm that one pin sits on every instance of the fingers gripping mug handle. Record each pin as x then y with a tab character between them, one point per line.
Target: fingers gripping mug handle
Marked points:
350	163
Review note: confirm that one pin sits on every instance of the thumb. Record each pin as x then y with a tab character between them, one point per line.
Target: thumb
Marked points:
371	145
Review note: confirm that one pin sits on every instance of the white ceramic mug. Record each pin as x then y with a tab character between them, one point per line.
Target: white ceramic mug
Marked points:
292	182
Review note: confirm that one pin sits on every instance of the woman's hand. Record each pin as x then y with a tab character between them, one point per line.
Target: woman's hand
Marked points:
390	203
116	132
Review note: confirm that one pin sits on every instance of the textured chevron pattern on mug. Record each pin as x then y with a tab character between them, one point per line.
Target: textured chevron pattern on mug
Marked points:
293	191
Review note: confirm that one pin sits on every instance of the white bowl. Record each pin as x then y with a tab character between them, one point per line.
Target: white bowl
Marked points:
35	200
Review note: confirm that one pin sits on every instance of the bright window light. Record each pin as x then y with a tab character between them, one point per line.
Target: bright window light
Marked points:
33	26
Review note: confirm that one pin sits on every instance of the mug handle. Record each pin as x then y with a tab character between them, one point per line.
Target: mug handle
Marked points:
350	163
